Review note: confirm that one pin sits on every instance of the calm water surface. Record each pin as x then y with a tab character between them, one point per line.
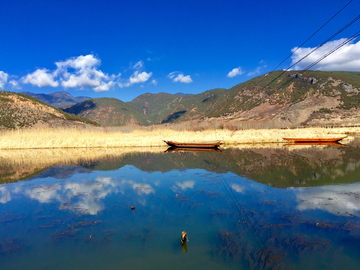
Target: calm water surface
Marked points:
255	208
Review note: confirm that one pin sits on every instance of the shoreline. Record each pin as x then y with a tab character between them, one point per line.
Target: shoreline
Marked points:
101	138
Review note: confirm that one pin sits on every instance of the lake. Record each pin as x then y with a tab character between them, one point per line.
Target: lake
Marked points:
253	207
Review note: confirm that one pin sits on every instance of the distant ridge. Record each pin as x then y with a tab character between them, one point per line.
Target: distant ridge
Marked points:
295	99
57	99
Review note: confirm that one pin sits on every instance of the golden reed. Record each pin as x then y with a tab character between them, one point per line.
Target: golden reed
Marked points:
112	138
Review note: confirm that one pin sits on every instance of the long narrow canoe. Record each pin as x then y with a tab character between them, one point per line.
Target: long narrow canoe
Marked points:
209	144
308	140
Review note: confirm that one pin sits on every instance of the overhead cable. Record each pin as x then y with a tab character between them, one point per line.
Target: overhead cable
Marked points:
348	40
312	35
316	48
333	50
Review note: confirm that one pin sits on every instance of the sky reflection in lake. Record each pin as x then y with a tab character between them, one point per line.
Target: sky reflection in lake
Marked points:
242	209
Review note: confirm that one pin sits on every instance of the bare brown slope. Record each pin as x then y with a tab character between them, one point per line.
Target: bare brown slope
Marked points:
294	99
20	111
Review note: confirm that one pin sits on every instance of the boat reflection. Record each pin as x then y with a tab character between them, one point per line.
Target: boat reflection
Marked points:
183	149
318	143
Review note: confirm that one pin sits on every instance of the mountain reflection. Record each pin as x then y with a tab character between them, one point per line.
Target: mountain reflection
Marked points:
281	166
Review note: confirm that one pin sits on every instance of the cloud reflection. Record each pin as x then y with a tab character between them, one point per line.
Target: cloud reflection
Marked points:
83	197
143	189
338	200
185	185
44	194
139	187
237	188
5	195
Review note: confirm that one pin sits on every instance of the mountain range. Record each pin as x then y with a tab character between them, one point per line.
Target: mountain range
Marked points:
279	99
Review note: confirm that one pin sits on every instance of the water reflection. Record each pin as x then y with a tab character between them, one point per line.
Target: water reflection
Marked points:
244	208
283	166
5	194
338	200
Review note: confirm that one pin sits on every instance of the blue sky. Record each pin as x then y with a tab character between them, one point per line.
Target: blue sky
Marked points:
123	49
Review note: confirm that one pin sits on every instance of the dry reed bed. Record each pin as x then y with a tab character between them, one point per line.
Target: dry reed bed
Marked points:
102	138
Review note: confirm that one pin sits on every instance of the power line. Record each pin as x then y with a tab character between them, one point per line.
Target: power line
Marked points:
312	35
333	50
242	214
309	38
353	37
327	40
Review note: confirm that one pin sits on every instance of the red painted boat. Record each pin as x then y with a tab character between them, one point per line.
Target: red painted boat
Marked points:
313	140
209	144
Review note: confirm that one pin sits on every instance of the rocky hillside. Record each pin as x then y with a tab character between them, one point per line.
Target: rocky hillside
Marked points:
19	111
57	99
109	112
293	99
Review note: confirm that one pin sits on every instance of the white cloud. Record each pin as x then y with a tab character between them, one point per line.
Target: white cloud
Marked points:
345	58
103	86
122	85
139	64
154	82
81	62
41	78
235	72
3	78
256	71
81	71
15	84
139	77
86	73
177	76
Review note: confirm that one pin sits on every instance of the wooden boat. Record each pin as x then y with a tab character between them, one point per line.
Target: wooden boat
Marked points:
313	140
209	144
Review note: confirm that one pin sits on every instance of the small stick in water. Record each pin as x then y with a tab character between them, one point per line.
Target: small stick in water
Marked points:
183	237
